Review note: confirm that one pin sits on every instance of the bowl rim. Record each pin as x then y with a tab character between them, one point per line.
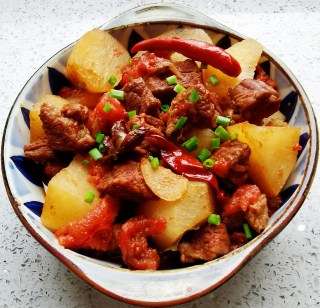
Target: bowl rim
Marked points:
276	229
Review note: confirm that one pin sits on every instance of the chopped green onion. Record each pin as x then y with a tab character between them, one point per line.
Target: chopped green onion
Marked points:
222	133
101	148
135	126
214	219
208	163
203	66
178	88
182	120
150	158
233	136
204	154
118	94
89	196
191	144
213	80
107	107
194	96
155	163
132	113
223	120
95	154
247	231
172	80
85	161
165	108
99	137
215	143
112	79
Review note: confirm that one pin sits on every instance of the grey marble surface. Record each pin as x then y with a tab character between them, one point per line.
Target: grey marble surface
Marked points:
286	273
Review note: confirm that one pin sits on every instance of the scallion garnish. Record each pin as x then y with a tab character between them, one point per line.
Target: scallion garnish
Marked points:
132	113
214	219
171	80
95	154
215	143
223	120
89	196
178	88
194	96
222	133
85	161
107	107
150	158
204	154
118	94
112	79
99	137
191	144
182	120
101	148
208	163
213	80
155	163
247	231
135	126
165	108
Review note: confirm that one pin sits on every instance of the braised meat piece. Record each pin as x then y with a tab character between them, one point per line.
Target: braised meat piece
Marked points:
257	214
254	100
207	243
76	112
238	239
39	151
140	98
201	114
187	72
231	162
65	134
125	181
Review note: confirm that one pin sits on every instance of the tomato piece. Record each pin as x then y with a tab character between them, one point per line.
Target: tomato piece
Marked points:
244	196
93	231
133	243
97	170
147	64
101	120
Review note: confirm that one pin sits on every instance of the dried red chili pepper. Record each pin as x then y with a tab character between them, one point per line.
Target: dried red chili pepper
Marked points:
195	50
183	163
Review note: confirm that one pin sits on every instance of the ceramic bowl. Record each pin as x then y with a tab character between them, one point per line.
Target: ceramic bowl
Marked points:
164	287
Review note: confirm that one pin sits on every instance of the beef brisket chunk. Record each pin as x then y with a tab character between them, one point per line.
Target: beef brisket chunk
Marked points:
125	181
201	114
140	98
187	72
63	133
39	151
254	100
257	214
207	243
231	162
